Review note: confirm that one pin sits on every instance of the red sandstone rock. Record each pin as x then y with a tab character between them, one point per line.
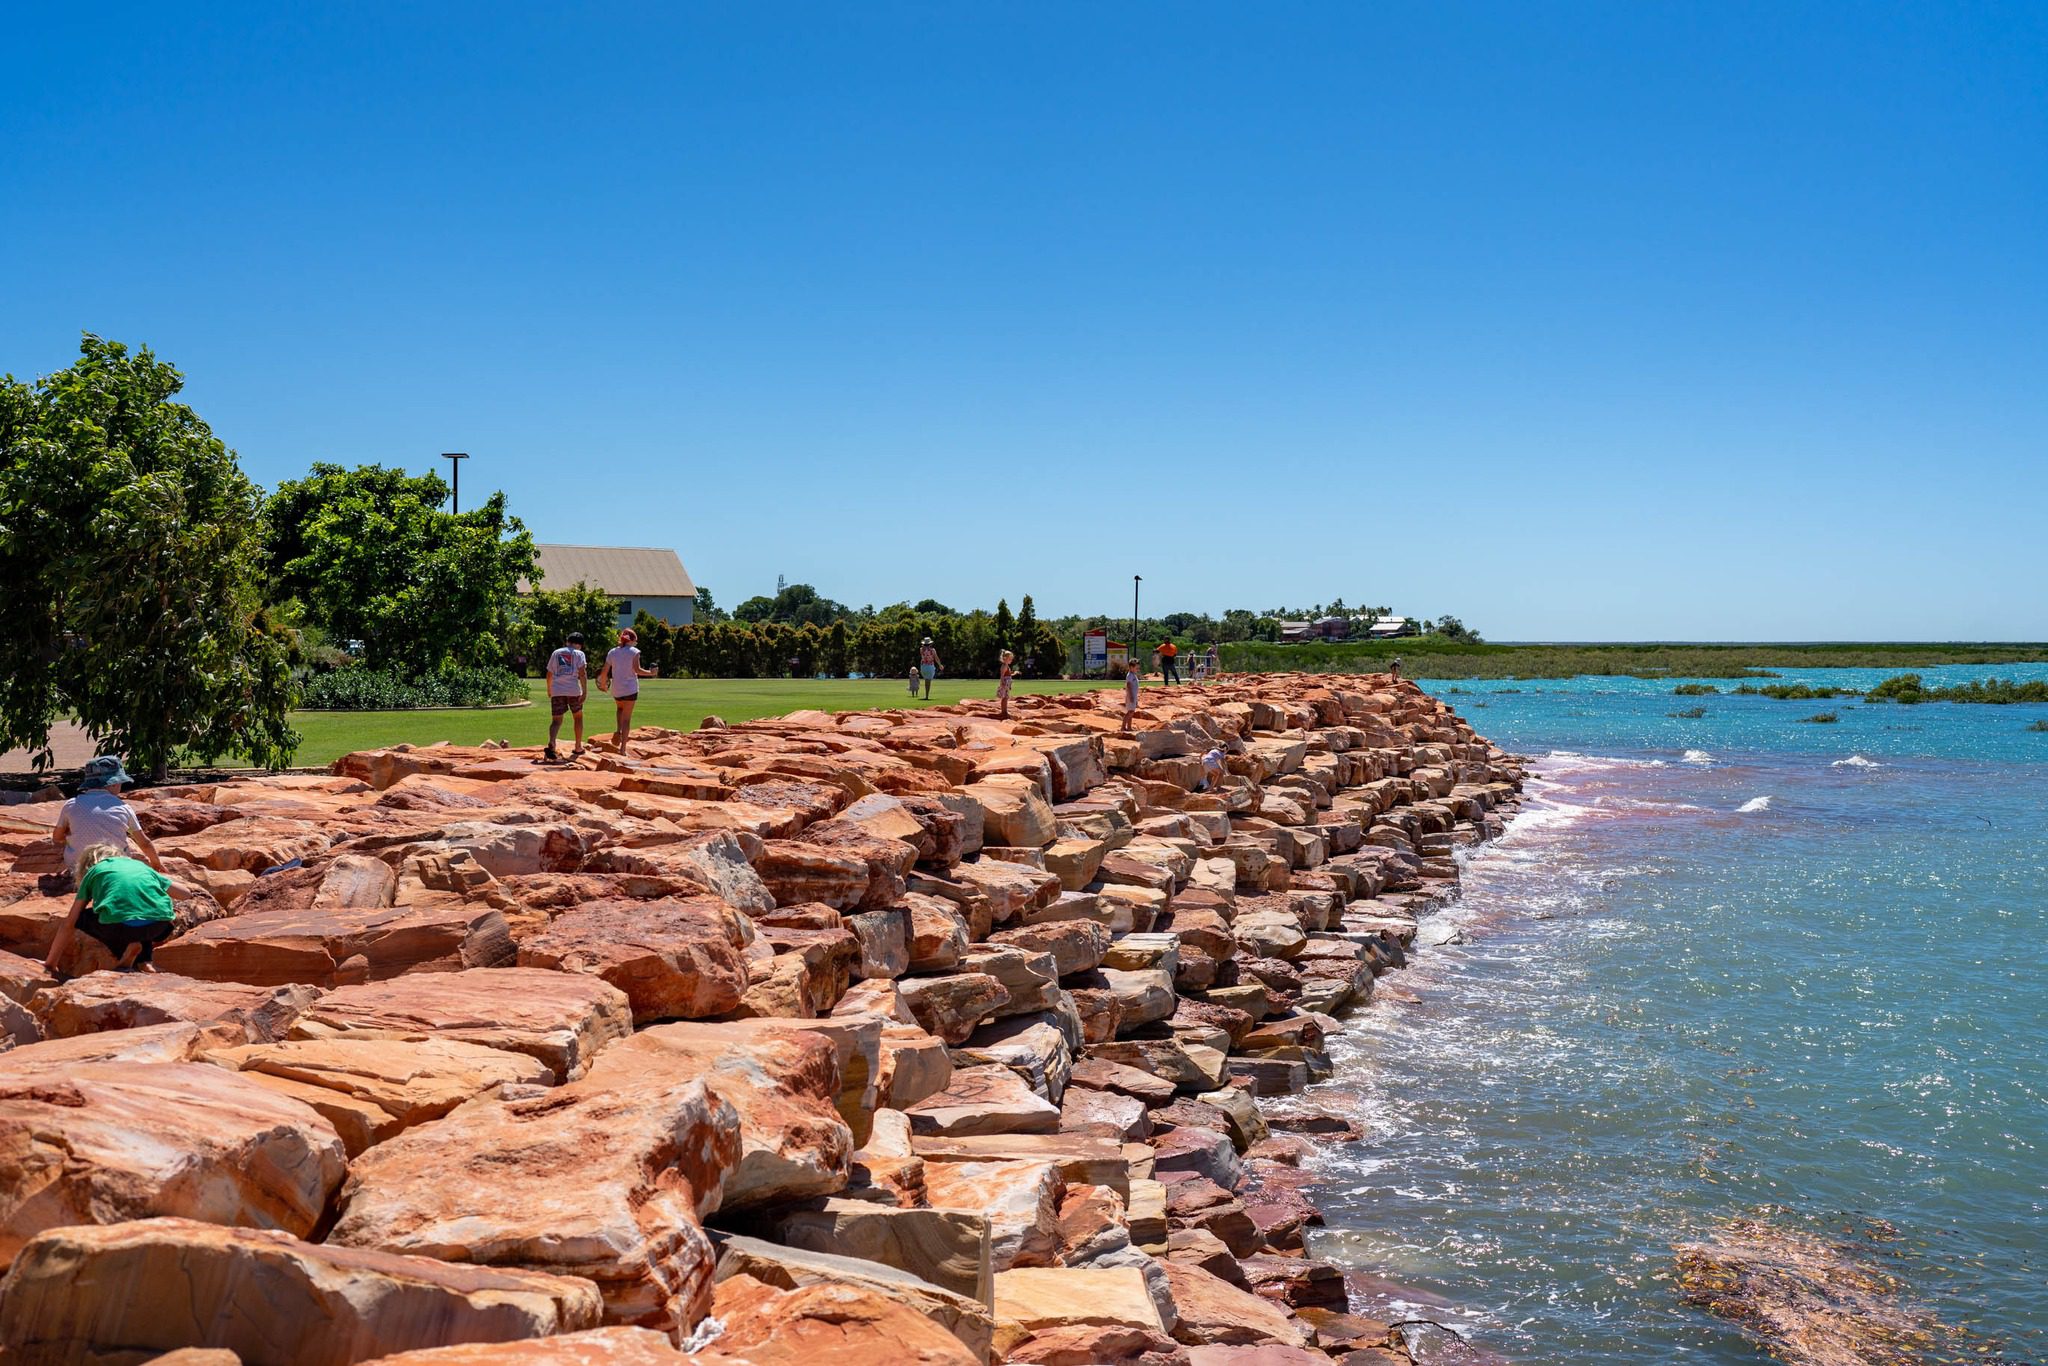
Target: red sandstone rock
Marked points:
782	1082
162	1284
333	946
1213	1312
797	872
597	1347
672	959
952	1006
123	1000
819	1324
103	1142
584	1181
561	1018
371	1088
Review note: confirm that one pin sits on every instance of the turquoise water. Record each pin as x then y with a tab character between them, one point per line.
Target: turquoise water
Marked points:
1722	966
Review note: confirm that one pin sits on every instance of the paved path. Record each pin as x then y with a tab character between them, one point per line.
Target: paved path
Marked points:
70	745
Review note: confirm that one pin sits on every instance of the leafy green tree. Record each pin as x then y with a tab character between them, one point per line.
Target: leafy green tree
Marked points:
129	551
552	613
932	607
374	558
706	610
836	650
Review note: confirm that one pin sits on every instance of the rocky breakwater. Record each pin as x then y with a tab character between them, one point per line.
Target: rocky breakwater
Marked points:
905	1036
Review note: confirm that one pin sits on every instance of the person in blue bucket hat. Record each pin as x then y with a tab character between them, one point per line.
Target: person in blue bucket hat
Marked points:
97	815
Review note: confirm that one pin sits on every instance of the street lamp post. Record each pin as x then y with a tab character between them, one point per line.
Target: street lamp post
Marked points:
455	459
1136	579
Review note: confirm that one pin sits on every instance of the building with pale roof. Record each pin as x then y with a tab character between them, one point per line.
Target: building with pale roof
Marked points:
638	579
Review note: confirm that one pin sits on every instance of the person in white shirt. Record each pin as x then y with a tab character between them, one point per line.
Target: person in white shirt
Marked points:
97	815
568	685
621	677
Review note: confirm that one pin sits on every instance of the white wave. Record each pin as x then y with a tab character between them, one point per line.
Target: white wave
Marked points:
1755	804
1855	761
1696	756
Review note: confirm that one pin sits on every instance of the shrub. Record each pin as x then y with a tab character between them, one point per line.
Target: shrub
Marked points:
1689	714
1825	718
1696	690
362	689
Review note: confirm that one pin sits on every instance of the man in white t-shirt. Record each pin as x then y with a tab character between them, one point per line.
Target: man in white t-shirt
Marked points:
568	685
97	815
621	677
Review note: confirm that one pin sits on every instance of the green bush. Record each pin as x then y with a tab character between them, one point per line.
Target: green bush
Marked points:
1696	690
361	689
1689	714
1825	718
1792	692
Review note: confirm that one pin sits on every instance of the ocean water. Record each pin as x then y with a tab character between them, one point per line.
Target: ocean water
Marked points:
1720	967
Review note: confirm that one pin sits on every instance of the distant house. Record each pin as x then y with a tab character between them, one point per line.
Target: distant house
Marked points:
1294	630
1387	628
1331	628
638	578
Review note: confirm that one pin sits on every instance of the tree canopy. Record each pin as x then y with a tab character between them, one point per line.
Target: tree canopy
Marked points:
796	605
372	556
129	546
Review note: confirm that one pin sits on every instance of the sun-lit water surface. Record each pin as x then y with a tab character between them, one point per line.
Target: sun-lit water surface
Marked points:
1719	964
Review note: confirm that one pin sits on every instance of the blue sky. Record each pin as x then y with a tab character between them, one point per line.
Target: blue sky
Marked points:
1580	321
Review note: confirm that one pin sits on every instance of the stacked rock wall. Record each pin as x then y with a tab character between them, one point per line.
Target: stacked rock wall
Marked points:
876	1036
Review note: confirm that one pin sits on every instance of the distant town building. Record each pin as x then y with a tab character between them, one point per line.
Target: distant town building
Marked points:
638	578
1387	628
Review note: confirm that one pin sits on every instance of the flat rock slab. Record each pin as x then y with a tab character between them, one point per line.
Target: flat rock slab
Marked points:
984	1100
596	1347
102	1142
148	1043
583	1181
126	1292
102	1001
964	1316
818	1324
562	1018
1032	1300
372	1088
335	946
674	958
784	1084
949	1248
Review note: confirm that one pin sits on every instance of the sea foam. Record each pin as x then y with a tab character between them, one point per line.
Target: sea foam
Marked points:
1696	756
1855	761
1755	804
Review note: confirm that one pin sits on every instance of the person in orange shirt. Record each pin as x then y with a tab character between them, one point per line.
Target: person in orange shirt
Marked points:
1169	662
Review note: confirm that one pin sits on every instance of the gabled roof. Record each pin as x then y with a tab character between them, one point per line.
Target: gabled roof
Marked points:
622	571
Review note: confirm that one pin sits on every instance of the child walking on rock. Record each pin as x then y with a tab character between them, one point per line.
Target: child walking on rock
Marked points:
1130	694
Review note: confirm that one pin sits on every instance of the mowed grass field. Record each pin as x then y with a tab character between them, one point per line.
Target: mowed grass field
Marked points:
679	704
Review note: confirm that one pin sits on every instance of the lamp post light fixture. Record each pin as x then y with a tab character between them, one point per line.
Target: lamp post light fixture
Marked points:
455	459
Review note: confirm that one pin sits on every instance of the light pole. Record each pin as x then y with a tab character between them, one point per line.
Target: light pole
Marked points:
1136	579
455	459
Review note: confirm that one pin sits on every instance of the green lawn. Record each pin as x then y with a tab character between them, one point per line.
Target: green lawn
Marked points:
679	704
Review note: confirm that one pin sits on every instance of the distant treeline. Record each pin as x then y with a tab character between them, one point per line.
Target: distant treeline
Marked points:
1906	688
1436	657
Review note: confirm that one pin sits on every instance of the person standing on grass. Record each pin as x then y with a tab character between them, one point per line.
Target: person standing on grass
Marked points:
122	902
1130	694
1169	662
621	678
568	685
1003	684
1215	662
97	815
928	665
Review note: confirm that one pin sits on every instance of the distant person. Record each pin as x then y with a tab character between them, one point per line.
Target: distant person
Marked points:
122	902
1395	667
913	680
568	685
97	815
1131	681
621	678
928	665
1003	683
1169	662
1215	661
1212	769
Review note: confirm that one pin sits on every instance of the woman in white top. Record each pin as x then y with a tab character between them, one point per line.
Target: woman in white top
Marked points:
621	678
97	815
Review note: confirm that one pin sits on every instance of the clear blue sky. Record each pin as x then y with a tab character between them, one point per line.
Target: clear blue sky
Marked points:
1579	321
